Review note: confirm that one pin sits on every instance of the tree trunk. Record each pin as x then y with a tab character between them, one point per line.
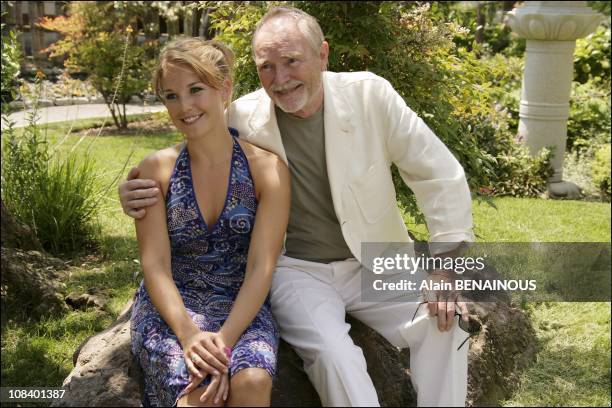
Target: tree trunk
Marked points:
481	20
112	107
123	116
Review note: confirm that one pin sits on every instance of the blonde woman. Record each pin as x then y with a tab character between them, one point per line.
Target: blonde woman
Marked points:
202	329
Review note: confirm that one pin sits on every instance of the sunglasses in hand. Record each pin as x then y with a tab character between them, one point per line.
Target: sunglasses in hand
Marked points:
472	326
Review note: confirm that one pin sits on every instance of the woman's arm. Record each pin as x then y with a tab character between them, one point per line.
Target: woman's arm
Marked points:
271	178
154	246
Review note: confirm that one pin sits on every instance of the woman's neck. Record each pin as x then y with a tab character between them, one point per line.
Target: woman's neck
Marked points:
211	149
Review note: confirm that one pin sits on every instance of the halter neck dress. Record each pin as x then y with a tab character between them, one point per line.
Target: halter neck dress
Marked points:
208	268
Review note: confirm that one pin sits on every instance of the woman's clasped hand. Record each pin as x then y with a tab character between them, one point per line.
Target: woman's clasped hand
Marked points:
206	353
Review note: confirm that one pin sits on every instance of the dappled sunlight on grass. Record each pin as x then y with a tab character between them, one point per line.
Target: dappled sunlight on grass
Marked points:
538	220
573	364
39	354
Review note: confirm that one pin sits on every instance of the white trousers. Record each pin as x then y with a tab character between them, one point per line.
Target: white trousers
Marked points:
310	301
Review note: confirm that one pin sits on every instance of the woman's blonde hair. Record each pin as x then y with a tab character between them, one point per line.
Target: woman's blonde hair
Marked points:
212	61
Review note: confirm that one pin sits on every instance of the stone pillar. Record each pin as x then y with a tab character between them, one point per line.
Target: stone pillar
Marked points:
551	29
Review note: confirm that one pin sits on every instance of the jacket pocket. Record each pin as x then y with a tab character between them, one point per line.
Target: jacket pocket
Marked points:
374	192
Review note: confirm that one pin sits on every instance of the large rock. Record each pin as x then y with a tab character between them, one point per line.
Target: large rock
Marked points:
105	374
32	282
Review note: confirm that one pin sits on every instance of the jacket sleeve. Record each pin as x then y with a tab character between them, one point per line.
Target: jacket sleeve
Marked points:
429	169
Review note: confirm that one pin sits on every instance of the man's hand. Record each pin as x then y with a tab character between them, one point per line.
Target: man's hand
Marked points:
443	303
135	194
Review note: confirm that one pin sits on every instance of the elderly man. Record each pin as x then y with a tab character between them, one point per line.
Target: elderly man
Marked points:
339	134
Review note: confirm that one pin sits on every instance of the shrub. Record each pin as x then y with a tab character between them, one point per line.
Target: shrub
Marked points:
471	103
234	23
56	196
521	174
592	57
11	54
577	169
496	36
589	117
600	169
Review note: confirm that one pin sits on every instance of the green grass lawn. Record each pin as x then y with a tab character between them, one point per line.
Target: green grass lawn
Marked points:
573	364
572	368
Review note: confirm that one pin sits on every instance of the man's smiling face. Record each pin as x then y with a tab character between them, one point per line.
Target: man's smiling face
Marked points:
288	67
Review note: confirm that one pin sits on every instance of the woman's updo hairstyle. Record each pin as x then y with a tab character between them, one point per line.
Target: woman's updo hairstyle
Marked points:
212	61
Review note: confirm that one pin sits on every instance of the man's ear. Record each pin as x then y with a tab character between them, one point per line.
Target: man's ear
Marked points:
324	55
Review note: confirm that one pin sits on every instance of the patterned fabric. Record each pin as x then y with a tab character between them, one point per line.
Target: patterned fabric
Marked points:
208	267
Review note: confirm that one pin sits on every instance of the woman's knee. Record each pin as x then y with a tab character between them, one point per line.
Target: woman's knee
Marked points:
251	381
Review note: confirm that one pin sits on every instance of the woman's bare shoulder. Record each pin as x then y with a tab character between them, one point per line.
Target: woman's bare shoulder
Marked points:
160	161
158	166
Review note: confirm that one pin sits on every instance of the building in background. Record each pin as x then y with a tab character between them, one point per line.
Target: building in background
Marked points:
21	16
160	20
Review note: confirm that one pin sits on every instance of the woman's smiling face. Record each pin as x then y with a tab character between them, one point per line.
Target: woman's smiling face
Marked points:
195	108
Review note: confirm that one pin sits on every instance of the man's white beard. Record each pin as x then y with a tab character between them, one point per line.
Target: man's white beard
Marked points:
297	107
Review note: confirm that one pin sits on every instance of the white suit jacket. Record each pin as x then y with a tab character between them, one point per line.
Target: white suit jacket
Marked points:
367	127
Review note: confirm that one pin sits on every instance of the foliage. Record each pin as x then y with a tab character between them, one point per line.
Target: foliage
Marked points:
11	55
577	169
148	13
488	36
589	117
57	197
600	168
521	174
505	75
234	22
601	6
592	57
115	69
96	44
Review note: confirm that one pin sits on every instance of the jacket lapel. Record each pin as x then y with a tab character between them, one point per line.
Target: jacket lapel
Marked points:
338	145
264	129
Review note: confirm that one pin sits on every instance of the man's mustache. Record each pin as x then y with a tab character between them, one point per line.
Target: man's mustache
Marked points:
285	87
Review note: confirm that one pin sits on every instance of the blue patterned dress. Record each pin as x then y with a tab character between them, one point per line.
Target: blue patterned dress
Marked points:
208	267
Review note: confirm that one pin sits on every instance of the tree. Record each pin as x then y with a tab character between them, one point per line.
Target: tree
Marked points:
96	42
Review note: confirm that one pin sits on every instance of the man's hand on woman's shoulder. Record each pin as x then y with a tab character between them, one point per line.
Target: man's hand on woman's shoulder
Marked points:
135	194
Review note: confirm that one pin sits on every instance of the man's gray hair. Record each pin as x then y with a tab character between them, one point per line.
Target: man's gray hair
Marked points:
307	24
